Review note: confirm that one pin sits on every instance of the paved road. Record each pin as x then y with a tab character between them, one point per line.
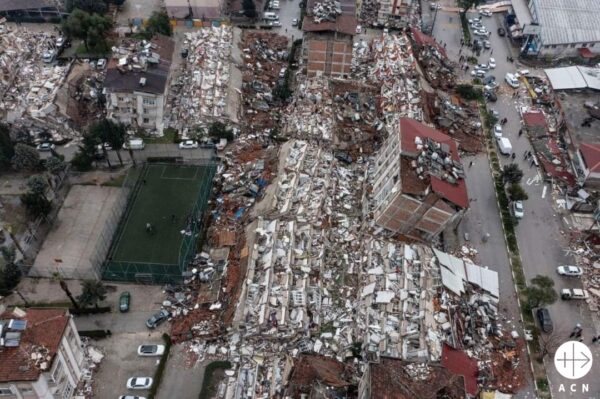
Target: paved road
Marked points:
541	234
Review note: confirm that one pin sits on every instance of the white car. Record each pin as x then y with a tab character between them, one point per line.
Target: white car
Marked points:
45	147
512	80
474	20
492	63
493	85
517	209
478	73
60	41
487	44
188	144
497	130
48	56
485	13
101	63
151	350
131	397
484	67
282	72
570	271
482	32
139	383
295	23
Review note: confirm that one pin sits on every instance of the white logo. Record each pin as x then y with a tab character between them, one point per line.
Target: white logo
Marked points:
573	360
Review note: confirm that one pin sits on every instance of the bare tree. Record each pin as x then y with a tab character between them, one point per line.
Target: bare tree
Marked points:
549	343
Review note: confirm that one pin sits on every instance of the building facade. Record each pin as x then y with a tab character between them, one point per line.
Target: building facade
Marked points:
137	85
418	187
41	355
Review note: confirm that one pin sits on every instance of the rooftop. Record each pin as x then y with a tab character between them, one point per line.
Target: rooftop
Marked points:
425	40
591	156
534	118
43	332
568	21
342	24
437	157
141	60
574	77
575	112
199	8
13	5
397	379
458	362
347	7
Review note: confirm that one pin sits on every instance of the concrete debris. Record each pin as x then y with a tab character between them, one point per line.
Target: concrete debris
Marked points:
199	94
29	86
92	357
326	10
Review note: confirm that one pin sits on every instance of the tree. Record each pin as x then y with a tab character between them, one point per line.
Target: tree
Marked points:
220	130
9	254
158	23
37	185
36	205
65	288
11	276
511	173
249	8
541	291
90	6
466	5
92	291
468	92
55	165
7	147
516	192
25	158
83	160
549	343
91	28
107	131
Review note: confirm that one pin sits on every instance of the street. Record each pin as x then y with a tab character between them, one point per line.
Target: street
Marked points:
541	235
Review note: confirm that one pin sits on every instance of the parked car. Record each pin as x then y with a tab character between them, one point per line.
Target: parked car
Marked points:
157	318
545	321
501	32
512	80
474	20
477	25
134	144
517	209
435	6
497	130
43	147
478	73
570	271
482	32
489	79
139	383
573	293
60	41
101	64
492	63
151	350
188	144
282	72
493	85
131	397
485	13
124	301
487	44
48	56
295	22
482	66
490	96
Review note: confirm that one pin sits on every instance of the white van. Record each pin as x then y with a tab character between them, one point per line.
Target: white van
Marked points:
505	146
134	143
270	16
512	80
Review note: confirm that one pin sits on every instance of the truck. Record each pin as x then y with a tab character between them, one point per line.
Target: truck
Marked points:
505	146
573	293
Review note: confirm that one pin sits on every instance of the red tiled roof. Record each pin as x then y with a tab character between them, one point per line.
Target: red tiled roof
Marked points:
591	156
45	327
409	130
425	40
459	363
534	118
343	24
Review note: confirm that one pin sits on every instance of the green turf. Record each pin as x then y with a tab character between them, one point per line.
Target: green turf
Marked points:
165	190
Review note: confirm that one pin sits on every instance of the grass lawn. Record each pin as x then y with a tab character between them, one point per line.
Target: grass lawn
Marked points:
166	190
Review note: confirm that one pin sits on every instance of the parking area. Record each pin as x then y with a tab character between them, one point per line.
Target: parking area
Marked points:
128	332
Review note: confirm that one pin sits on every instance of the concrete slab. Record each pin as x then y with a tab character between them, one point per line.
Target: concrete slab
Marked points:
75	233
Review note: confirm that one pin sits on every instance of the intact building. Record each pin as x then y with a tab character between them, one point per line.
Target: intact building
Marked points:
137	82
563	28
32	10
419	187
40	354
193	9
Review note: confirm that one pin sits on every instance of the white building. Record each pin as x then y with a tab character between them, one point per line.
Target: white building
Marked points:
563	28
40	354
136	85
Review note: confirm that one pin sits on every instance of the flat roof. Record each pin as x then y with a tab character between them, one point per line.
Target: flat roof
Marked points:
343	24
574	111
567	21
522	12
574	77
14	5
199	8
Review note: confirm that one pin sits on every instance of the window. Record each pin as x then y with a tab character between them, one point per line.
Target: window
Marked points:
145	110
68	392
584	45
56	374
149	101
146	120
26	390
553	46
120	98
573	45
6	391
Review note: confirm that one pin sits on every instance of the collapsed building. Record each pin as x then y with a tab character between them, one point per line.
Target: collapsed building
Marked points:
136	82
419	184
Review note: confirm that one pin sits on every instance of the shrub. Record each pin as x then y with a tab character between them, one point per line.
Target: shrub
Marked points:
86	311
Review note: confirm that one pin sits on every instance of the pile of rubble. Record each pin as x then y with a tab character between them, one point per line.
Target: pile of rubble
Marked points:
200	91
28	86
310	114
368	12
265	58
327	10
92	357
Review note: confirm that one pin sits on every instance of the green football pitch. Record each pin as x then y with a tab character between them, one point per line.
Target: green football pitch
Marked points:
165	197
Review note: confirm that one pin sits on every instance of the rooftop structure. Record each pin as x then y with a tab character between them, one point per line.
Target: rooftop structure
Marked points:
418	184
565	26
574	77
193	9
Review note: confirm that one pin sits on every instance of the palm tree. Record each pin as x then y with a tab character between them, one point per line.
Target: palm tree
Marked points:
92	292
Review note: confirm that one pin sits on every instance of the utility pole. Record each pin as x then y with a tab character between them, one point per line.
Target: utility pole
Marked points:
434	18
